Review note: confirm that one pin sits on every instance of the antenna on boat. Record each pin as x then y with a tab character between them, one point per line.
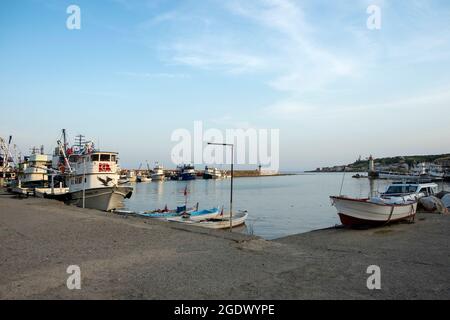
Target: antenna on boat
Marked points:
80	140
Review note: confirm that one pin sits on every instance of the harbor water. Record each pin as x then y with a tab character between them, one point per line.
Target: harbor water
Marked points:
278	206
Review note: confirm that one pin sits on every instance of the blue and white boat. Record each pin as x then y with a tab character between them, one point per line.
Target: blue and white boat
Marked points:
186	172
198	215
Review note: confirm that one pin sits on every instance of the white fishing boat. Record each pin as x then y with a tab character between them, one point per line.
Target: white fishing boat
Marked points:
422	171
390	175
398	202
34	170
158	173
371	212
218	222
436	171
131	176
123	179
186	172
143	178
212	173
93	180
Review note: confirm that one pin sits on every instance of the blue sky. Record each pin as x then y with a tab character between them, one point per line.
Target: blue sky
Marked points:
137	70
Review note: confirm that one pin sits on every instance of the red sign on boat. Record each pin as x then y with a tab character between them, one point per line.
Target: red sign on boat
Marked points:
104	167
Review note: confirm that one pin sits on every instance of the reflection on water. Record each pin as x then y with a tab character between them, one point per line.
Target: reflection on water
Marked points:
277	206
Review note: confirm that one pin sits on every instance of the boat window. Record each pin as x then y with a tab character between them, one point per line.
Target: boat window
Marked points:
94	157
113	158
425	190
74	158
395	189
104	157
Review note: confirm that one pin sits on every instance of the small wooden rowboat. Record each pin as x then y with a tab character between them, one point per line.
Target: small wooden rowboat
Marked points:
219	222
372	212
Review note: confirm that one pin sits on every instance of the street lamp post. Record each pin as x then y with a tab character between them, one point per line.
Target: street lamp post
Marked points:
232	175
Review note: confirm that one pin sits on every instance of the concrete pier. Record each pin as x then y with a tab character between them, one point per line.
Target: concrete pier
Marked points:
133	258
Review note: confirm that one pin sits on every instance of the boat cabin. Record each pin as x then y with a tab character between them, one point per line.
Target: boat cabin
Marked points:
94	157
400	189
99	169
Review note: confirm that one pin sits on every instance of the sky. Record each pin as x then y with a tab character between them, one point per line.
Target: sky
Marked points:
139	69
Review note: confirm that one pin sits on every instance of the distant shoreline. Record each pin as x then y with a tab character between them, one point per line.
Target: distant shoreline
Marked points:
238	175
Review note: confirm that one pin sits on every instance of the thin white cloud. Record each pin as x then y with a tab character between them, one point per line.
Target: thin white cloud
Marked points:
302	56
289	109
229	122
155	75
294	110
307	65
208	55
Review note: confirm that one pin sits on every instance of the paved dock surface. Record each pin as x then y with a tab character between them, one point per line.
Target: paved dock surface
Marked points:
134	258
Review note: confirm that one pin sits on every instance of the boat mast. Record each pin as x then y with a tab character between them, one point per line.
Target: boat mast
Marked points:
64	138
63	152
148	168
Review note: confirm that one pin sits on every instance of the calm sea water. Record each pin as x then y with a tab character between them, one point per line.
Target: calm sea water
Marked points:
277	206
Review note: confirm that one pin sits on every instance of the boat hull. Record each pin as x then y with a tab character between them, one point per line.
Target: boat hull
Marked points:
209	176
104	199
158	177
217	222
187	176
224	223
361	212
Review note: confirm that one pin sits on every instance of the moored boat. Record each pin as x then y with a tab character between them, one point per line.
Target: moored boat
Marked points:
123	179
131	176
355	212
198	215
143	178
93	179
167	213
35	170
212	173
218	222
186	172
158	173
